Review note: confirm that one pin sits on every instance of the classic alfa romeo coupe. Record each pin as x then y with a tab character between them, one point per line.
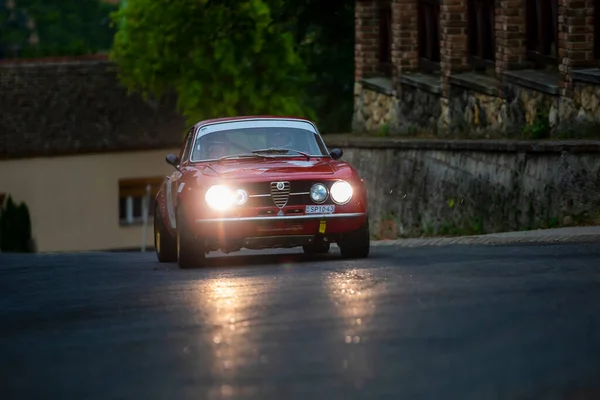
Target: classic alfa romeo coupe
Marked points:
258	183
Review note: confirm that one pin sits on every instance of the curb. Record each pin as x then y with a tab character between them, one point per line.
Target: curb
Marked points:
489	240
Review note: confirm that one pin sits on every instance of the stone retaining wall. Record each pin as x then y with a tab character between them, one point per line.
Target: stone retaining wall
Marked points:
421	187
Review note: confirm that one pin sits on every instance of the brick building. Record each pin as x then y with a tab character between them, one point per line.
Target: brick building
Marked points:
486	67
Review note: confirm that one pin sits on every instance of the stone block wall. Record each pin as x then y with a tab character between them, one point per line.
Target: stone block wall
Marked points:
474	111
478	112
418	110
517	93
374	110
420	187
587	101
77	105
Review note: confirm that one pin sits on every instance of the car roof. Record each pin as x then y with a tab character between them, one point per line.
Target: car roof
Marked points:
249	118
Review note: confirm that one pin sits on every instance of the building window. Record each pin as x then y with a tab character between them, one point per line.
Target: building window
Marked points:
429	34
542	31
482	47
136	199
385	39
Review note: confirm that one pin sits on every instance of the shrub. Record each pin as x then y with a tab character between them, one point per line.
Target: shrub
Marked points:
15	228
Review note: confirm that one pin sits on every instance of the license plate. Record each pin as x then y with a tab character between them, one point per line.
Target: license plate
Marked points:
328	209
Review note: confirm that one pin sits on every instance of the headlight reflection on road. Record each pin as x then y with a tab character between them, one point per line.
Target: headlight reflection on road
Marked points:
228	305
352	295
224	304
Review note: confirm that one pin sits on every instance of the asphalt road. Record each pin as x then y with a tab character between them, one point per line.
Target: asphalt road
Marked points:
464	322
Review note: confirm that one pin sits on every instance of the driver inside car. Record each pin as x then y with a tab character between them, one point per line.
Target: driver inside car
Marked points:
217	150
281	140
213	148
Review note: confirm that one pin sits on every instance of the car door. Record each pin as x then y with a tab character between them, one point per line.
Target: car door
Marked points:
174	180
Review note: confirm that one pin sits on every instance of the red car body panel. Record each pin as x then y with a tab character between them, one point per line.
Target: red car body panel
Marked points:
187	187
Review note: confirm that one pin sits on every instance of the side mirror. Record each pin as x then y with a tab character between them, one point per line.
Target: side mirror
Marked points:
336	154
173	160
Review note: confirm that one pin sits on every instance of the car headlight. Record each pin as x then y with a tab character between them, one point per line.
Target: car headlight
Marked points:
222	198
341	192
241	197
318	193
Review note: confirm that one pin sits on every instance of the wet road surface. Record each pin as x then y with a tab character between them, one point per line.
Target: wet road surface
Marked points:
464	322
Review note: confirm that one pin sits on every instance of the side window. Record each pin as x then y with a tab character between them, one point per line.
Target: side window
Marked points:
322	149
188	145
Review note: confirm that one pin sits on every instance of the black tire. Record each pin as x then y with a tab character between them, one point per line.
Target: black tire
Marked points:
190	254
356	244
165	245
317	248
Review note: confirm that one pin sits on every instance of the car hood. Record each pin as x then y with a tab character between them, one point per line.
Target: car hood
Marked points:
268	168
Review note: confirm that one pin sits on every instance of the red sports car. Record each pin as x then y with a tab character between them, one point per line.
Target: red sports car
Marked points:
258	183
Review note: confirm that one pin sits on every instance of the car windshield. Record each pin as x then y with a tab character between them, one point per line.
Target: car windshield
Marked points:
228	140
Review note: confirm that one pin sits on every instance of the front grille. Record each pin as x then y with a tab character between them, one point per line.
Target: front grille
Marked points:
261	194
281	195
293	200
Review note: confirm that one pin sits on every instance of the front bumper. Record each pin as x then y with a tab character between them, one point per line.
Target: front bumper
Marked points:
224	230
282	218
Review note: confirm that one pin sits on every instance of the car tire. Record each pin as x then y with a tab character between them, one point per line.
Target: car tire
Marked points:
165	245
190	254
317	248
356	244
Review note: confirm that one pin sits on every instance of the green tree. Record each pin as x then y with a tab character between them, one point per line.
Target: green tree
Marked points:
64	27
221	57
325	32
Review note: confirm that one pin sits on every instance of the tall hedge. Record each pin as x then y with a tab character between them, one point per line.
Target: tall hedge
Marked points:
15	228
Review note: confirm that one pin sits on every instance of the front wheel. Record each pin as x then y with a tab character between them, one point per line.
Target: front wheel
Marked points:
165	245
356	244
190	253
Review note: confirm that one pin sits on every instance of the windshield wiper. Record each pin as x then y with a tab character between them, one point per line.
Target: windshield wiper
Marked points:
242	156
278	150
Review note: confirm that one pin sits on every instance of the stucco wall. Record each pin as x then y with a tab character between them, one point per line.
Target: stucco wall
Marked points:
74	200
470	187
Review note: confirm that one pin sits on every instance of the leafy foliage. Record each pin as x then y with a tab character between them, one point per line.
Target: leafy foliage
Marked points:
540	126
64	27
325	34
222	57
